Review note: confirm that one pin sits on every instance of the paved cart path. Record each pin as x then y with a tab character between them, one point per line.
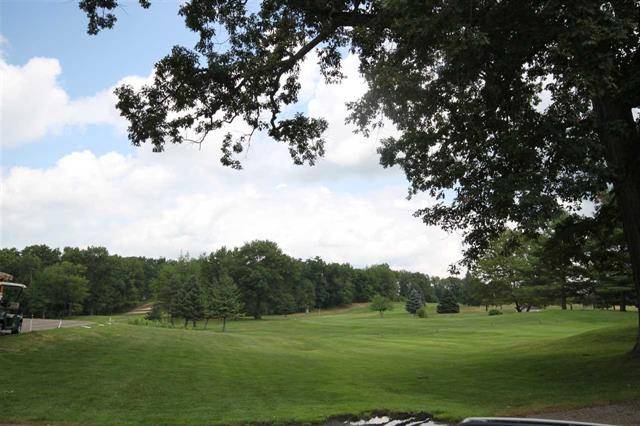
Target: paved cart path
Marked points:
48	324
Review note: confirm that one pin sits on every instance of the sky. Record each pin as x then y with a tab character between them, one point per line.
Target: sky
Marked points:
70	177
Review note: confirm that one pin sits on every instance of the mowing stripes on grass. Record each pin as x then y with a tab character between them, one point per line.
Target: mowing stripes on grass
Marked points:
307	368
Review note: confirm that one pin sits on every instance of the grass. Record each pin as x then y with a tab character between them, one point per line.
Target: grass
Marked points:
307	368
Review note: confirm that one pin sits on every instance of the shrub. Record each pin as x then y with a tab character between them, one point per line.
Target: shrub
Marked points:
422	312
495	312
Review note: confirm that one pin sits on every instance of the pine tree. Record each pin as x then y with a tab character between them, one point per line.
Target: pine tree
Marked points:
191	302
224	301
448	304
414	302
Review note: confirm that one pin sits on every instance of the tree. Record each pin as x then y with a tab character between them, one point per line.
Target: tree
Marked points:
563	254
259	273
224	301
511	266
414	302
191	302
607	262
384	280
62	288
305	294
381	304
462	84
448	304
407	281
169	284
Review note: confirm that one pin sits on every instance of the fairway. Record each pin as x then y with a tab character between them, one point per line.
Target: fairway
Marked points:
307	368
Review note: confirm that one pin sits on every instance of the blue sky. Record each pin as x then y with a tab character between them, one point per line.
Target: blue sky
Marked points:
71	178
57	29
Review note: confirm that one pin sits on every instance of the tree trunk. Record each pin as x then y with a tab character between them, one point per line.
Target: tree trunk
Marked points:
518	307
621	140
563	296
206	322
224	323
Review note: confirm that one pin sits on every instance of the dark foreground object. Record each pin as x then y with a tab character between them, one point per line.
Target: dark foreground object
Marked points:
512	421
425	420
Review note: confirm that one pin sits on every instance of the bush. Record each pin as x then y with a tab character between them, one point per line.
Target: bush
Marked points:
422	312
495	312
448	304
152	323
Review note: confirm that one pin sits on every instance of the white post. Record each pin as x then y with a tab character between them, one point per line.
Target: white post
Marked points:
60	324
31	323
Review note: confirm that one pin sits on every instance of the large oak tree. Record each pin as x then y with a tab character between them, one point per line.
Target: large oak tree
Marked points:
461	80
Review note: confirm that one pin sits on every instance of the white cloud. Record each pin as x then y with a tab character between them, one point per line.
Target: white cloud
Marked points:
33	103
157	205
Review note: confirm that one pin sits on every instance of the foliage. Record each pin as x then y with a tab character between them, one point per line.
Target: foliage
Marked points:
62	288
191	302
224	301
408	281
414	302
493	312
422	312
448	304
380	304
512	270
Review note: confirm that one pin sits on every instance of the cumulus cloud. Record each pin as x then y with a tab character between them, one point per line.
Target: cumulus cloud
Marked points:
153	205
33	103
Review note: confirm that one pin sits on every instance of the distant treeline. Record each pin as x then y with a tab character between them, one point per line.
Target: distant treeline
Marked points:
91	281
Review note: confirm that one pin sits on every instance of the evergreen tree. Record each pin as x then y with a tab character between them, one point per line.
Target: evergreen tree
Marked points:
414	302
224	301
191	302
448	304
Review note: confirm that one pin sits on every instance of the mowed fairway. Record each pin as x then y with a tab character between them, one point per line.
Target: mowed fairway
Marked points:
307	368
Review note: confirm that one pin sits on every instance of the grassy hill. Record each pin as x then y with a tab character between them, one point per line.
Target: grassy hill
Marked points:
306	368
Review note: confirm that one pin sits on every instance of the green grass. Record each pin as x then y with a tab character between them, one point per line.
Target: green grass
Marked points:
306	368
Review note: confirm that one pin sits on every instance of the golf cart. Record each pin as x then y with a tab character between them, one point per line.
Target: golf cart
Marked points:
10	315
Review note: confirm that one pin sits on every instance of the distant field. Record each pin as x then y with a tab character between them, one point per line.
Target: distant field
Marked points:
306	368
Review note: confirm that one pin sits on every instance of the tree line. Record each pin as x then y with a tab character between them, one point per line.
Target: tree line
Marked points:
91	281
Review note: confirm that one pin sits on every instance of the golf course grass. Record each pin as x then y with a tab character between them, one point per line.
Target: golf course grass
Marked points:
306	368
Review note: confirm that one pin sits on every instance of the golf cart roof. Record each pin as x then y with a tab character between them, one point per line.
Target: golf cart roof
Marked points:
5	277
12	284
